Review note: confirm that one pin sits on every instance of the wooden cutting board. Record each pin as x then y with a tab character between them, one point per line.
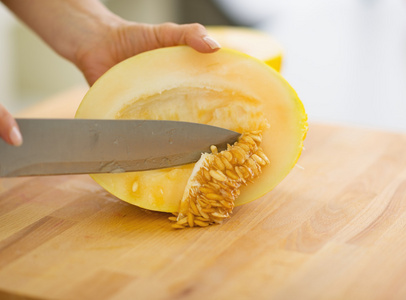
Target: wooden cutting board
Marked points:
335	228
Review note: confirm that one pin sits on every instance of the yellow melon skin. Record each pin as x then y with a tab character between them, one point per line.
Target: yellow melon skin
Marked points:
227	89
256	43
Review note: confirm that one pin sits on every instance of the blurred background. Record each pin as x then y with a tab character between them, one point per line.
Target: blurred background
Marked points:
345	58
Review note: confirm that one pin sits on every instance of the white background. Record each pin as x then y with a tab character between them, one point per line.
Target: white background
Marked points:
345	58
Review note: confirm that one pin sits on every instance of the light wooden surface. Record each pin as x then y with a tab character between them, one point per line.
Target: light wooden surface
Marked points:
335	228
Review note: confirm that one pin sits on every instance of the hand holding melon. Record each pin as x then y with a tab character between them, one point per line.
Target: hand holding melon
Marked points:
226	89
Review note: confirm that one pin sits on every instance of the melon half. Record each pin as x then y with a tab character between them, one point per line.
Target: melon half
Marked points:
227	89
253	42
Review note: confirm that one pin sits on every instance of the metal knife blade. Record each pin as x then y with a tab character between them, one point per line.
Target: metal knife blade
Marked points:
86	146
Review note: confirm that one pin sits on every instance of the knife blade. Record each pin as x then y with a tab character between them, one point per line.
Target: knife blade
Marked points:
86	146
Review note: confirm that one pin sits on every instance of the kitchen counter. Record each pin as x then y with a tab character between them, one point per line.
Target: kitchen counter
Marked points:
335	228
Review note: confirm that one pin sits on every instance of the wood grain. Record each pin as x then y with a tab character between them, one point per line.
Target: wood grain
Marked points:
333	229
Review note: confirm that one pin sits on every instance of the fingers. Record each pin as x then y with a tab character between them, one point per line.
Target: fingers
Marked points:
193	35
128	39
9	130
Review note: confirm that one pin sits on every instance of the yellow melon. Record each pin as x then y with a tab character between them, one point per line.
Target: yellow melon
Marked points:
227	89
253	42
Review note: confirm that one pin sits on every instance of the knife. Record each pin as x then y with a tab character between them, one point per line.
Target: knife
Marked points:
86	146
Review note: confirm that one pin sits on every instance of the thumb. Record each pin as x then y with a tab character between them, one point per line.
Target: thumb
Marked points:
193	35
9	130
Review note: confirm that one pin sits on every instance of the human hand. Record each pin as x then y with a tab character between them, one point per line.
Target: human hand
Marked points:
94	39
122	40
101	52
9	130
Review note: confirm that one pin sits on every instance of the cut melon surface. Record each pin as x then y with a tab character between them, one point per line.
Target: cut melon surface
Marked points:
226	89
216	180
253	42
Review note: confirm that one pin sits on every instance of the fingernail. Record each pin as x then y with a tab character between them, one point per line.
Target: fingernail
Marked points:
15	136
211	42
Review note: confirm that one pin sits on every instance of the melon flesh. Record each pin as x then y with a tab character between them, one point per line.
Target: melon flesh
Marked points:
226	89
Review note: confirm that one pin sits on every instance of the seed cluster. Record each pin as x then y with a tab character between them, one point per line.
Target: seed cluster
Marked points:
216	184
